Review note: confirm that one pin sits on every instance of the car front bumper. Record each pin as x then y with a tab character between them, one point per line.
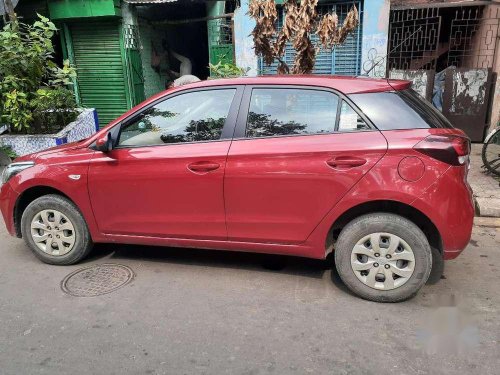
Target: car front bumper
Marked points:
8	199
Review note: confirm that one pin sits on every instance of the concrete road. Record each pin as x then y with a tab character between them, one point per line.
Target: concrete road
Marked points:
208	312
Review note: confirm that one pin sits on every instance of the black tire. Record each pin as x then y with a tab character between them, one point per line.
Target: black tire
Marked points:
83	242
384	223
437	267
491	160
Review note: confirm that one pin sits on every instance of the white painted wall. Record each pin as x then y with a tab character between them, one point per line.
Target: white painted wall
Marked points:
243	41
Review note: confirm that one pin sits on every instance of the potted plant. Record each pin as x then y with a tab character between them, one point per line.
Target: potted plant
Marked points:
37	107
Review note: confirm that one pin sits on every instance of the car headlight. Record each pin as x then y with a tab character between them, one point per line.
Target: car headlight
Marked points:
14	168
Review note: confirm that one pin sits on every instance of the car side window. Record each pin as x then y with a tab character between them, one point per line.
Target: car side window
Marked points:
197	116
350	120
289	111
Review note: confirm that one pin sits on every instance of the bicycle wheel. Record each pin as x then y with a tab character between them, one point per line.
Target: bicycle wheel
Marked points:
491	153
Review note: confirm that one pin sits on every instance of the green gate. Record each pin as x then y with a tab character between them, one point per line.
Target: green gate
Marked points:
220	34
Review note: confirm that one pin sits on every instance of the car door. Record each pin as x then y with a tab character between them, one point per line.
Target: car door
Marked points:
164	177
296	153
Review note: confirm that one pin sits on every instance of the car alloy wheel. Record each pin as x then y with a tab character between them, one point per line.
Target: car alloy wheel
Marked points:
53	232
382	261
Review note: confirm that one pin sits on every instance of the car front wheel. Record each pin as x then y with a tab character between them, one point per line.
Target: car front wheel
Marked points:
55	230
383	257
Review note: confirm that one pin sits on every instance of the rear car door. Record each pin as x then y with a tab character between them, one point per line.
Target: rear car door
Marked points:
165	176
295	154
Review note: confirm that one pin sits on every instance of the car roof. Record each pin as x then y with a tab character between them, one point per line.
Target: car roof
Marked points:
344	84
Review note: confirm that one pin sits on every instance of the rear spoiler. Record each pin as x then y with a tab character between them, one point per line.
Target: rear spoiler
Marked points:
399	84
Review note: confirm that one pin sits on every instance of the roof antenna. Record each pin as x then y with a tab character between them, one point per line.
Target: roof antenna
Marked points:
391	51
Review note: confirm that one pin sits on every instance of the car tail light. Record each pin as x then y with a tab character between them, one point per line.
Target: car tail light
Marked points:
450	149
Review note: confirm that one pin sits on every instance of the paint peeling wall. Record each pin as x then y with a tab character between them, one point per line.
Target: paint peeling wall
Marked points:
420	80
469	91
375	37
243	42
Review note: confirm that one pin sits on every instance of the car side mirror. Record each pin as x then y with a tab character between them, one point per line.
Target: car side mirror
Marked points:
104	143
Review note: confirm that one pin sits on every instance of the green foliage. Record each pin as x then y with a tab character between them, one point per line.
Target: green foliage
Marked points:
53	108
7	150
26	66
225	70
62	76
16	109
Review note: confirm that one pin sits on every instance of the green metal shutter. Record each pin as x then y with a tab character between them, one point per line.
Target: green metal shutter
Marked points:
343	60
101	78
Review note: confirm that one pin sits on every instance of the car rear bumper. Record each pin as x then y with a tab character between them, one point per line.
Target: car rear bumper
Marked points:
450	206
8	198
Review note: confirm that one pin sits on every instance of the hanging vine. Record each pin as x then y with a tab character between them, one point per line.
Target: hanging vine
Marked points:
300	22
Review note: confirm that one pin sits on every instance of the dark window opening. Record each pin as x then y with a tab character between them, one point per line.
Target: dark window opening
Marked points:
168	29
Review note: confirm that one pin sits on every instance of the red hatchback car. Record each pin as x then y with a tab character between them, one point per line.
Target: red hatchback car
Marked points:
295	165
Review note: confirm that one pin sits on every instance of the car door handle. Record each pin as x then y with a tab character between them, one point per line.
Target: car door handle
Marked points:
203	166
345	162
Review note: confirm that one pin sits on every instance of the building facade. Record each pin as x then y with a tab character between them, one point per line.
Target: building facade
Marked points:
128	50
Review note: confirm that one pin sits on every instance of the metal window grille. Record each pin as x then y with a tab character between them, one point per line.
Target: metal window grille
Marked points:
131	38
418	37
220	33
414	38
473	35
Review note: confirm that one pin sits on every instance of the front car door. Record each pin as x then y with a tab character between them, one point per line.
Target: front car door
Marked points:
297	151
164	177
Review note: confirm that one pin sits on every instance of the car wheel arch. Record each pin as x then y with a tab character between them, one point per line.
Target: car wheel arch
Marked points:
28	196
386	206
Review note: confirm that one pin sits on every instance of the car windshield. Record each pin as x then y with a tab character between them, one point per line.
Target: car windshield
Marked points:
403	109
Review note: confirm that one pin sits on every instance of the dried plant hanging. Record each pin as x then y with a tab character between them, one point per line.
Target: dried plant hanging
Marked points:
300	21
350	23
265	14
286	33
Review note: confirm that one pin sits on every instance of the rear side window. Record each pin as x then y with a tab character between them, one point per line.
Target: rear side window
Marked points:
399	110
275	112
350	120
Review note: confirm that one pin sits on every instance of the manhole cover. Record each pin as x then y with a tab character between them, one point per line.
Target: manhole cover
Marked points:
97	280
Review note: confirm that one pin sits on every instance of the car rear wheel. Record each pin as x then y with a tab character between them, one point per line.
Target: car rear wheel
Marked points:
55	230
383	257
